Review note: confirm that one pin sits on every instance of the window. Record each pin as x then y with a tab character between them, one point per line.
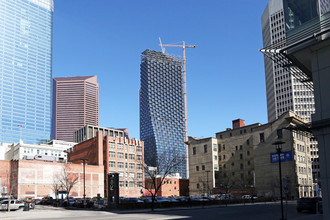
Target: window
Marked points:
139	184
262	137
38	151
223	147
120	165
131	184
139	166
230	134
215	157
224	166
194	150
241	156
248	153
279	133
224	157
203	167
197	168
205	148
197	185
248	142
131	166
139	157
241	147
219	146
249	163
131	148
236	147
112	145
220	136
139	175
131	156
120	155
241	166
215	148
112	154
131	175
121	174
112	164
138	148
120	146
232	164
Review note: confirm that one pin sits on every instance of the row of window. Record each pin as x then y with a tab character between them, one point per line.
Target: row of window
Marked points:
112	164
43	152
120	155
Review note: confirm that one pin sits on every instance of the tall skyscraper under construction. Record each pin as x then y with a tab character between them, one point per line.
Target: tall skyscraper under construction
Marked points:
284	91
75	104
25	70
162	110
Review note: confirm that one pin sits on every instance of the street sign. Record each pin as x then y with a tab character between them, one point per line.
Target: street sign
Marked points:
285	156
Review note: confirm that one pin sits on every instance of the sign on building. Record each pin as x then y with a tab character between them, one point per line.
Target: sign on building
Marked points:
285	156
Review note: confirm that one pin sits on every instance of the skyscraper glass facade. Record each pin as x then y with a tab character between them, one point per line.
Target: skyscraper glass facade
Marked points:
283	89
25	70
162	113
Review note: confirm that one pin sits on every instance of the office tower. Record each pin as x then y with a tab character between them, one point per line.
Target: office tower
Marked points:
75	104
25	70
283	89
162	112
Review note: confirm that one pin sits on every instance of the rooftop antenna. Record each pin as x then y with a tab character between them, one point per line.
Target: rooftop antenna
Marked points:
161	45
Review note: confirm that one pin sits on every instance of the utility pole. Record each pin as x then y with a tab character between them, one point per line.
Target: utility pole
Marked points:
84	162
184	46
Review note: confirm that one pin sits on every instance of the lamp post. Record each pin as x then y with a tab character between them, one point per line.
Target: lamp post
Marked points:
84	162
278	145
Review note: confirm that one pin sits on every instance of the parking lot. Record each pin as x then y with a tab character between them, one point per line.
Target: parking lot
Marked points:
267	211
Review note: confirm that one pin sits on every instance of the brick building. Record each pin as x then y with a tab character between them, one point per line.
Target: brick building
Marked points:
32	178
116	154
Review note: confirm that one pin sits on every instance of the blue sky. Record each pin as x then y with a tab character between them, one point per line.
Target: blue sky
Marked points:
225	72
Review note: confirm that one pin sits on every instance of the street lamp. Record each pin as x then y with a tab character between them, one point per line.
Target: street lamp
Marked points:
278	145
84	162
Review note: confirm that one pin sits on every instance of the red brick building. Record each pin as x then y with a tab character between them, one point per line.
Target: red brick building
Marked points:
32	178
117	154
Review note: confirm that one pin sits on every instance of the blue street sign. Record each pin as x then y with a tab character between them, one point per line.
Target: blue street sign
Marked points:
285	156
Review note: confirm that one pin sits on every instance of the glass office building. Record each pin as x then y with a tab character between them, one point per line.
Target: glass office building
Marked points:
162	113
25	70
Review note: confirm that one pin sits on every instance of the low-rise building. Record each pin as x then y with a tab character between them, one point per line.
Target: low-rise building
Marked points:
203	165
54	150
248	161
37	179
117	154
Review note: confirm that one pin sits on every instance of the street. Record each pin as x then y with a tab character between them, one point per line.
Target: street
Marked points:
233	212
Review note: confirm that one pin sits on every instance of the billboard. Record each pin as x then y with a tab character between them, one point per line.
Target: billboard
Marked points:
285	156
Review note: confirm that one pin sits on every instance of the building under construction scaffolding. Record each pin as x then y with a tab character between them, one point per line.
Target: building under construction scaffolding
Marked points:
162	111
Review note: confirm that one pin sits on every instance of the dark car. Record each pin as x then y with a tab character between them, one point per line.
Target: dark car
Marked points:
308	204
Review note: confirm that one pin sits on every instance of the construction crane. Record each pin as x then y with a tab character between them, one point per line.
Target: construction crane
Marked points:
184	46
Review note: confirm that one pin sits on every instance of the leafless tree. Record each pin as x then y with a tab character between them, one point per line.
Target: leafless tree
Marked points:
67	179
155	176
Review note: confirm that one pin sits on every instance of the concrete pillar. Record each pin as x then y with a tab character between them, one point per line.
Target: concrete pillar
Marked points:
321	118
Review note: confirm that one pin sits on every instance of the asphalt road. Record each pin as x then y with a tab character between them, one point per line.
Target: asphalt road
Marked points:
234	212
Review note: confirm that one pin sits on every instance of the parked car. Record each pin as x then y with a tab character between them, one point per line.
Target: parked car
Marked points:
308	204
161	199
247	197
48	200
14	205
225	197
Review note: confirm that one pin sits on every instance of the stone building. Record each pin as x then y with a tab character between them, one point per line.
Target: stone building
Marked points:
243	160
236	157
203	165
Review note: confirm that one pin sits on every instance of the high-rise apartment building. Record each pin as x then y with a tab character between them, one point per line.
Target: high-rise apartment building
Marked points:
75	104
162	111
284	90
25	70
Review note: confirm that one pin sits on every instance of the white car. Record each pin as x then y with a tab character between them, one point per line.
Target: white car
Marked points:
14	205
